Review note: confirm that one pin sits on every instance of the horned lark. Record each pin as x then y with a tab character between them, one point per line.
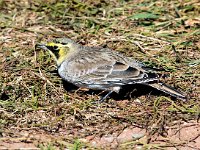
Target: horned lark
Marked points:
101	68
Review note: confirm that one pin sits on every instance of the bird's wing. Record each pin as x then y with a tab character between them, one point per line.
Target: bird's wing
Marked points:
106	69
119	73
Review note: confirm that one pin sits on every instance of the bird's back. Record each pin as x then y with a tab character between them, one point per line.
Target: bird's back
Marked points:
102	67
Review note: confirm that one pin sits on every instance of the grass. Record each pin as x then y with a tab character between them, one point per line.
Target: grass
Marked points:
32	94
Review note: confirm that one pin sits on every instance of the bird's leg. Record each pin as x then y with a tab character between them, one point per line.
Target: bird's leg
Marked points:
104	97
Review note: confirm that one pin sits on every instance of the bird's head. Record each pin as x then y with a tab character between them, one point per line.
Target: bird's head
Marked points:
59	48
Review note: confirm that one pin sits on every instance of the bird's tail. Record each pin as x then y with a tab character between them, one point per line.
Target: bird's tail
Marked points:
167	89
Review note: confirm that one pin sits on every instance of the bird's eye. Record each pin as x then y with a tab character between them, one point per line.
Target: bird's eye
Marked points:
55	47
64	43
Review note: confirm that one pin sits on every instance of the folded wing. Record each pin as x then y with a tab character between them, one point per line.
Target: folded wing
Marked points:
117	73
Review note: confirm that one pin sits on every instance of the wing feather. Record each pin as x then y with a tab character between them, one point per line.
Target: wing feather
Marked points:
105	69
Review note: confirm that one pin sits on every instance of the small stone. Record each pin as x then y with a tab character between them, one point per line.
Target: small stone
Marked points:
130	134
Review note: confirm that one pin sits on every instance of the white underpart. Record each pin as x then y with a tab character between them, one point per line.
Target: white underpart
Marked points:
116	89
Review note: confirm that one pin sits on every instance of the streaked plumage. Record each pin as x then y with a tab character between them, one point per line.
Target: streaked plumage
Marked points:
101	68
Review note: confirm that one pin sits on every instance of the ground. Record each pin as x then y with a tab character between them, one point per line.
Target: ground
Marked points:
37	109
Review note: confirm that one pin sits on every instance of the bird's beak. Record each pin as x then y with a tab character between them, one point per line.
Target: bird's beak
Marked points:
41	46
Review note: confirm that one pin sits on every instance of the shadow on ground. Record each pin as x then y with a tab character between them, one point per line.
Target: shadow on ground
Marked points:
127	91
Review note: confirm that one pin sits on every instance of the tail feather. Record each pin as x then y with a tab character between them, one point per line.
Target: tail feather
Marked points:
169	90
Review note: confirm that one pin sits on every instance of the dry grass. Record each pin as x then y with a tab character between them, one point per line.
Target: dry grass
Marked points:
32	97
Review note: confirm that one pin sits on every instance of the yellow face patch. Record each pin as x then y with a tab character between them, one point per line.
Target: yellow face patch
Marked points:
54	44
58	51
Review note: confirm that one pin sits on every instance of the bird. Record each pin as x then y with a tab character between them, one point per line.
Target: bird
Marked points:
99	68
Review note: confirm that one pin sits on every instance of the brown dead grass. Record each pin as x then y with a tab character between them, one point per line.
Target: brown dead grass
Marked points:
32	97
